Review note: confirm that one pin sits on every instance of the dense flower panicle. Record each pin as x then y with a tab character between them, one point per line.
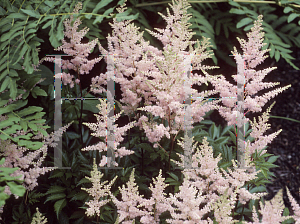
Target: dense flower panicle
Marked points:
271	211
188	205
38	218
215	181
80	64
136	59
127	208
127	46
258	129
158	203
295	206
251	57
100	127
97	191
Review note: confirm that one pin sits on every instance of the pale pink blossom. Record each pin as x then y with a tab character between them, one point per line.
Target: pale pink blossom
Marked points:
164	97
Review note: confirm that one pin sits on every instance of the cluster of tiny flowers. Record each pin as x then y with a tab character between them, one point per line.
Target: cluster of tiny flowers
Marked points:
80	64
219	190
97	191
251	57
38	218
140	61
99	129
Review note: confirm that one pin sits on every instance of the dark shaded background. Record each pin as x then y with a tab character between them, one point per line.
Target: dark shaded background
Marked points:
287	143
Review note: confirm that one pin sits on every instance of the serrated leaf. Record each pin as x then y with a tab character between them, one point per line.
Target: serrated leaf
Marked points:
21	53
53	39
2	11
60	31
174	176
153	156
81	196
72	135
13	73
55	197
23	125
10	35
283	49
47	24
16	189
50	3
272	52
32	126
244	22
12	129
226	31
100	18
59	205
221	140
59	174
16	15
55	189
83	181
29	110
268	165
258	189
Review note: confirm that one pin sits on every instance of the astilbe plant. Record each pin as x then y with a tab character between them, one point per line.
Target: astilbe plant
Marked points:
141	62
100	131
251	56
80	64
212	190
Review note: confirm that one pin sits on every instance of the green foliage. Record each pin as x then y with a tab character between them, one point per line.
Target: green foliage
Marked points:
17	119
15	188
21	22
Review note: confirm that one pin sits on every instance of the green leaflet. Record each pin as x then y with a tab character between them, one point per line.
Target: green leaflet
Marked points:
100	5
292	17
31	13
244	22
59	205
